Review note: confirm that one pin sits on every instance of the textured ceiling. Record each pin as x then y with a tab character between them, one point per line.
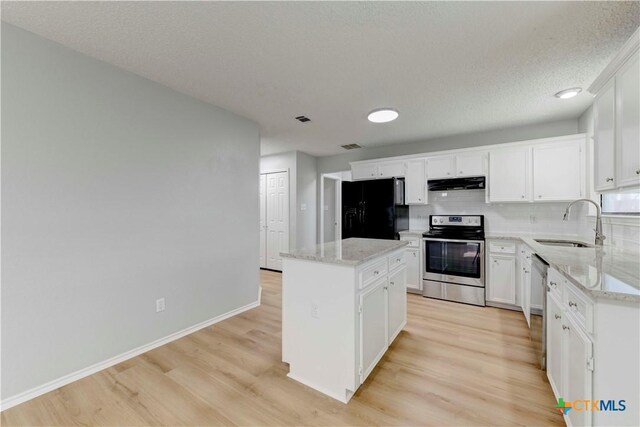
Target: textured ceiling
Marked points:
448	67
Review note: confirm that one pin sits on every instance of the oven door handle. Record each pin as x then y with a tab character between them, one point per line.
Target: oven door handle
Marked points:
433	239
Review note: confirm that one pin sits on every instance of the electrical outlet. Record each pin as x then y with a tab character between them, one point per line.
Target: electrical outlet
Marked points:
314	310
160	305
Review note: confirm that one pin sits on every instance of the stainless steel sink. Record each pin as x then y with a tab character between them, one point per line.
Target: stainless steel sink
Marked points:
566	243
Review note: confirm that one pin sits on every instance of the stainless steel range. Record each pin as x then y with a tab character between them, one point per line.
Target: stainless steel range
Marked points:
454	258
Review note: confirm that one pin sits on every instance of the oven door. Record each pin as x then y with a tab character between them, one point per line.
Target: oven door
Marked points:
454	261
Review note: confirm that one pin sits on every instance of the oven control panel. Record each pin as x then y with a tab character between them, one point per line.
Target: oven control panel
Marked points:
464	220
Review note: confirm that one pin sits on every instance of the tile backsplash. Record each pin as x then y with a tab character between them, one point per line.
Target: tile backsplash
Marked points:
503	217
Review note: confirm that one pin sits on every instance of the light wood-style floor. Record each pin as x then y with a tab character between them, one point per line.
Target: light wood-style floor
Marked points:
452	365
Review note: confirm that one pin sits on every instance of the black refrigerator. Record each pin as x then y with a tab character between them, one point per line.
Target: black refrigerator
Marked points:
374	209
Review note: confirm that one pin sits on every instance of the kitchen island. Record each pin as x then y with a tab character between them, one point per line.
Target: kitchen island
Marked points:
343	304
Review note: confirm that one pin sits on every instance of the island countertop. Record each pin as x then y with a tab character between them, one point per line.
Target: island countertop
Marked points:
352	252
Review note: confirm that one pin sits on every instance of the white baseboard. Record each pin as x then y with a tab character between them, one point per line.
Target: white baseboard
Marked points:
67	379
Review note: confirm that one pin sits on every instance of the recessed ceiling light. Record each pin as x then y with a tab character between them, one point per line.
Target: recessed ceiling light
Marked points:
568	93
383	115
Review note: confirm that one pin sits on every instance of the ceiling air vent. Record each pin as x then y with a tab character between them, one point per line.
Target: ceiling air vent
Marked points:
351	146
303	119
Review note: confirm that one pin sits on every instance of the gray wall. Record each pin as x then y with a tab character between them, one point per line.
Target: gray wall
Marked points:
521	133
116	191
307	197
280	163
302	190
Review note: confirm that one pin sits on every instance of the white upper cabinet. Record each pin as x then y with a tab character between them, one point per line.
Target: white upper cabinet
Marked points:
509	174
391	169
604	138
374	170
558	170
628	122
415	183
616	113
472	164
459	165
364	171
441	167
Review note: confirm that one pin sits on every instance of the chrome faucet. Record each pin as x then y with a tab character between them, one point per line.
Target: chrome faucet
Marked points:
599	236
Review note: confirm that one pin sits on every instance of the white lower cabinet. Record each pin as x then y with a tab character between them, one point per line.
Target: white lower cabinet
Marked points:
554	344
577	364
413	257
373	326
338	320
397	303
593	348
501	280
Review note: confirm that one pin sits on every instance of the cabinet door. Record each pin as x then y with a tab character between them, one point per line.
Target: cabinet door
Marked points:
366	171
558	171
628	122
373	326
414	272
415	183
391	169
397	303
509	175
525	286
441	167
501	286
554	345
471	164
577	353
604	138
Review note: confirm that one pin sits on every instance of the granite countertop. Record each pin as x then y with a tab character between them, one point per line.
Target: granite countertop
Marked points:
354	251
606	272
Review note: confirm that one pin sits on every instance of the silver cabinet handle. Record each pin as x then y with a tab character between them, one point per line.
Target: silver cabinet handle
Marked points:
554	284
386	288
565	327
392	283
522	196
609	179
539	196
375	273
572	304
461	172
398	259
414	254
637	171
558	316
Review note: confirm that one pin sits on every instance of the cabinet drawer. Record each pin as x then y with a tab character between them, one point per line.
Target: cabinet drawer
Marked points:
369	274
502	247
415	243
577	304
396	260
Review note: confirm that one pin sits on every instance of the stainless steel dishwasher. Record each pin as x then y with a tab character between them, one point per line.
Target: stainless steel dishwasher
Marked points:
538	329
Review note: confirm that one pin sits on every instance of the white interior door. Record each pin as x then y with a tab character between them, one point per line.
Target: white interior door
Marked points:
277	218
263	221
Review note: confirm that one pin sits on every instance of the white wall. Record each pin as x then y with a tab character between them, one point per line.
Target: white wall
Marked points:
116	191
542	218
306	200
302	191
